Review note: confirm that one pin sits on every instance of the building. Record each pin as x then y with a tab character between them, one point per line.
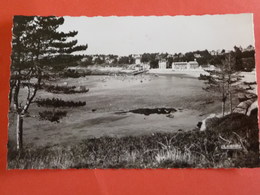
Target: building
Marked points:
162	64
138	60
193	64
180	65
185	65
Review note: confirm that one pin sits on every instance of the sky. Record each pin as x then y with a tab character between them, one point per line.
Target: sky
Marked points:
152	34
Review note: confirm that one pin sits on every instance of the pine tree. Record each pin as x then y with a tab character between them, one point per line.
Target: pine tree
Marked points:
232	77
222	80
36	45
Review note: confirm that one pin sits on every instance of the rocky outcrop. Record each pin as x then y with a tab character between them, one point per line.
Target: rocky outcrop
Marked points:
246	101
248	106
243	107
243	97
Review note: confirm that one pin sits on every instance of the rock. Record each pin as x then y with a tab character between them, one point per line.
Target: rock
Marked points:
252	107
244	97
241	97
170	115
199	124
203	126
251	95
243	107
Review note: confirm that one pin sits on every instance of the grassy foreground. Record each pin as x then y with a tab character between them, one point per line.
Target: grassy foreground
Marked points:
193	149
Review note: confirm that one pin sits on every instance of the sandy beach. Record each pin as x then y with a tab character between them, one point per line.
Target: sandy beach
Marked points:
192	73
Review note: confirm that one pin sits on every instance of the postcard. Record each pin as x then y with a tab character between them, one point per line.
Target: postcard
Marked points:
133	92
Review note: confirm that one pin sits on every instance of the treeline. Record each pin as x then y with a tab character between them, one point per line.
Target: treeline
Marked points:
107	59
245	59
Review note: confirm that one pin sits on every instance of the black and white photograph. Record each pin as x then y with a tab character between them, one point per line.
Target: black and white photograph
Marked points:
133	92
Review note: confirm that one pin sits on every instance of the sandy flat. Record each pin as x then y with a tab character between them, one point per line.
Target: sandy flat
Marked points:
110	95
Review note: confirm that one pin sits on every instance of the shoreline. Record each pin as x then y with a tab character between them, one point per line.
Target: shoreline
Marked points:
191	73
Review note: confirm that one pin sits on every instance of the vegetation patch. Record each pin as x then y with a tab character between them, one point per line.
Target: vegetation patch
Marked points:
56	102
74	74
148	111
82	73
65	89
53	116
192	149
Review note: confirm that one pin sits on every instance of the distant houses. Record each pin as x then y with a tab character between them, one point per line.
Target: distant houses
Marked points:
163	63
178	61
136	63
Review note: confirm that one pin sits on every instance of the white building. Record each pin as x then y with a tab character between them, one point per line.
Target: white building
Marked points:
180	65
192	65
138	60
162	64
